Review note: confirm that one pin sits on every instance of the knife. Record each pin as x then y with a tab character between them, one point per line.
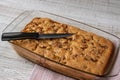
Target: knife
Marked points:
22	35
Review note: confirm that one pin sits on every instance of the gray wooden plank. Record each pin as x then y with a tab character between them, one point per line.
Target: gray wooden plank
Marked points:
11	69
11	12
96	12
5	19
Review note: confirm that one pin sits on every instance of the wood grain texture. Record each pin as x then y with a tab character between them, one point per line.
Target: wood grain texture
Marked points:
103	14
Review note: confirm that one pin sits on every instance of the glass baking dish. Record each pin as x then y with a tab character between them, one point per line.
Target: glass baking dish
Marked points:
19	23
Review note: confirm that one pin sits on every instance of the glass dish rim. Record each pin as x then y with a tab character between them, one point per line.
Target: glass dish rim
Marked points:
70	20
30	11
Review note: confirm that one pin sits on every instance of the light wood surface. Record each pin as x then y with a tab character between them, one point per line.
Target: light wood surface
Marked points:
103	14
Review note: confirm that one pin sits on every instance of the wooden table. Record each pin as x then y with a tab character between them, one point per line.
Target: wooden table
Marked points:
103	14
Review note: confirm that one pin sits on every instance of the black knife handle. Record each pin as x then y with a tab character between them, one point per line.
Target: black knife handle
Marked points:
18	35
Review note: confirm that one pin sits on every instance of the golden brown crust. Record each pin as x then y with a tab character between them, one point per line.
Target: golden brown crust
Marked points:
84	50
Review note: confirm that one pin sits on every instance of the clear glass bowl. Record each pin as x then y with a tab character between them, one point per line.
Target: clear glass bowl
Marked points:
19	23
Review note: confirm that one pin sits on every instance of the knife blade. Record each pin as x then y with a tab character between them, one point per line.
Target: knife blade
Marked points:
22	35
